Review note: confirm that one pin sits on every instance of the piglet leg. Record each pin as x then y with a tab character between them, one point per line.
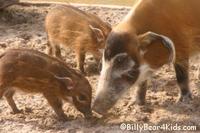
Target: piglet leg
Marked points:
56	104
9	97
80	60
141	93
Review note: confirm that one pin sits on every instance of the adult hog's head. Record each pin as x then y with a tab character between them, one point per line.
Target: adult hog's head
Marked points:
129	59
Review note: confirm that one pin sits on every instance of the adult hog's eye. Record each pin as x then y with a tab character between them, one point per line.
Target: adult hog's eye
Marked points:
120	59
82	98
130	75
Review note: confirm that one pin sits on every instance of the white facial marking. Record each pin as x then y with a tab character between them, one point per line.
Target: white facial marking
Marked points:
104	71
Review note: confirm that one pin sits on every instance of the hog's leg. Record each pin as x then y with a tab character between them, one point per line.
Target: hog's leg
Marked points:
97	56
57	51
80	53
53	49
56	104
50	49
9	97
182	75
141	93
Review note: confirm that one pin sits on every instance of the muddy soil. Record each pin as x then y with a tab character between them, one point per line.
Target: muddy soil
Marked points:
23	27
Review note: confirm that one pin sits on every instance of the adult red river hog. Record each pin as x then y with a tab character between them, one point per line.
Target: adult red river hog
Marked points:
34	72
154	33
84	32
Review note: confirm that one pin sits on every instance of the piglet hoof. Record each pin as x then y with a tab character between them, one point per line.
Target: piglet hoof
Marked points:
64	118
136	102
185	98
140	102
17	111
89	117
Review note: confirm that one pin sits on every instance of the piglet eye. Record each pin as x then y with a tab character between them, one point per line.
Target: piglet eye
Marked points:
81	98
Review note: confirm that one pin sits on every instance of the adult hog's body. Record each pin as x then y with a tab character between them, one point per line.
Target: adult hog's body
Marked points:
34	72
68	26
154	33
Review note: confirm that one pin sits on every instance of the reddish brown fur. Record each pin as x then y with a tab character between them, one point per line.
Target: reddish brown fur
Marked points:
69	26
179	20
34	72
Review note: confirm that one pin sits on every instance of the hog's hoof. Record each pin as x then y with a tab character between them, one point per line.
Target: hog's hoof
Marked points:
17	111
64	118
140	102
136	102
185	98
81	71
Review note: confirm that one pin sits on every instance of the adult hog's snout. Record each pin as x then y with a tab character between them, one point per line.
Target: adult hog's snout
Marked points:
117	76
88	114
103	102
108	93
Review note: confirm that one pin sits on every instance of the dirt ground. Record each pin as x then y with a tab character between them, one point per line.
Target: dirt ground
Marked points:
22	27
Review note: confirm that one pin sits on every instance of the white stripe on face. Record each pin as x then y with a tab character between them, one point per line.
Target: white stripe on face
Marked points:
105	68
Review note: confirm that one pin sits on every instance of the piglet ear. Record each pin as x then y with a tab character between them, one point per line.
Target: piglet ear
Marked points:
98	33
156	48
67	81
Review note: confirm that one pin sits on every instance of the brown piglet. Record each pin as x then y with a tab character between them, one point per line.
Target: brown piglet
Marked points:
67	26
34	72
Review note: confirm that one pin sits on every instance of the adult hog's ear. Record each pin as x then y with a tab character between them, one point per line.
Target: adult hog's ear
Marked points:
156	49
68	82
98	33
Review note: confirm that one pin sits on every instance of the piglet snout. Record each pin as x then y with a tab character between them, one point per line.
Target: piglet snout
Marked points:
88	114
